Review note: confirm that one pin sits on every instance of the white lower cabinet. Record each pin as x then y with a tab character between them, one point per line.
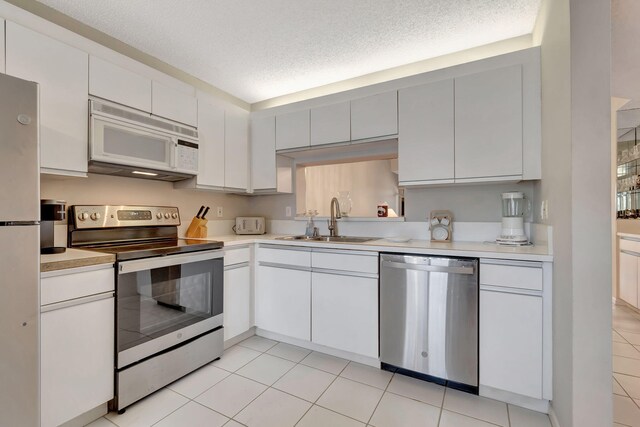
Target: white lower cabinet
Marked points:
511	342
237	292
345	312
628	277
515	327
77	347
283	298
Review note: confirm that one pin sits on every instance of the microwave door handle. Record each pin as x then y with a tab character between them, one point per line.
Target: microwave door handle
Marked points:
173	152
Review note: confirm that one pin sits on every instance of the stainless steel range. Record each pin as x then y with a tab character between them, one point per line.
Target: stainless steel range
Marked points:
169	294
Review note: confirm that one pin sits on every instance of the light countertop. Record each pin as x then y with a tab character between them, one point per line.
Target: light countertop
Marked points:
73	258
422	247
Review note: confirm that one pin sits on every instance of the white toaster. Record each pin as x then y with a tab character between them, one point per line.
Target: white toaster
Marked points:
250	225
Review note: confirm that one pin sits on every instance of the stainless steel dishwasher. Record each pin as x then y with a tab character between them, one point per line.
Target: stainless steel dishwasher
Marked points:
429	318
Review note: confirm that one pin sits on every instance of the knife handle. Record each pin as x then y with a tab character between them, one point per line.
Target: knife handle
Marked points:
200	212
206	211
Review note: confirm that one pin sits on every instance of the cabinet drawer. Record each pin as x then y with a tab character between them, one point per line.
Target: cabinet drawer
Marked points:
75	285
236	256
345	261
295	257
630	245
511	276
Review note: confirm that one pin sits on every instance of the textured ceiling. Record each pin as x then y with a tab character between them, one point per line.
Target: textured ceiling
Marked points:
260	49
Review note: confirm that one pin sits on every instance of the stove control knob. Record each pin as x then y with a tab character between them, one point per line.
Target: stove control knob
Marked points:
95	216
174	215
166	215
159	215
83	216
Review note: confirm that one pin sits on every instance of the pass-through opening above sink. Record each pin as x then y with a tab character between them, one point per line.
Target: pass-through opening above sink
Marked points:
339	239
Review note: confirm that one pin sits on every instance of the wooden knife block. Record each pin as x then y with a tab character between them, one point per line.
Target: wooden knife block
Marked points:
198	228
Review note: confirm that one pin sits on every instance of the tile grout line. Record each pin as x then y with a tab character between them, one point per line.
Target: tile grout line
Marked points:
444	396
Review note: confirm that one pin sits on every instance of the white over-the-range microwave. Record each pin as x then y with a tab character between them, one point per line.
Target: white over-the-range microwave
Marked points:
127	142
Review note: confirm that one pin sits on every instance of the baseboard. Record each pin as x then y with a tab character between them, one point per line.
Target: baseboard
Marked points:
87	417
316	347
538	405
238	338
553	417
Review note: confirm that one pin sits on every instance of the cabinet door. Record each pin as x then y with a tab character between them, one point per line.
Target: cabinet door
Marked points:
629	278
283	301
425	135
345	313
488	125
374	116
77	359
511	342
237	301
2	68
331	123
236	149
292	130
63	73
173	104
117	84
263	153
211	167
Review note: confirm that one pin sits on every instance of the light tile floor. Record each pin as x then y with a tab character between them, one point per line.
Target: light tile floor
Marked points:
626	367
264	383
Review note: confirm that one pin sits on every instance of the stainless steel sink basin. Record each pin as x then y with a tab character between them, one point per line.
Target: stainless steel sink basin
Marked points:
338	239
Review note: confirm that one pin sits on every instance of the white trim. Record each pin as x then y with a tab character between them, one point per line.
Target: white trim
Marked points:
538	405
553	417
365	360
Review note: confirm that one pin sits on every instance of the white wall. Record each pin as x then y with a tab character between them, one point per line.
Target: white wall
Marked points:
575	37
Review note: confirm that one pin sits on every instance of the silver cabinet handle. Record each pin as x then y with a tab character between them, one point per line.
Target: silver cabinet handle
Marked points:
429	268
636	254
76	301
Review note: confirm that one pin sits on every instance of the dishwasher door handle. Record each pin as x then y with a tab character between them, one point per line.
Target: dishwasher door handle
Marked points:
428	268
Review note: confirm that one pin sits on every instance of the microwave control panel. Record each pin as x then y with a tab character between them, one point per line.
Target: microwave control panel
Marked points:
187	156
110	216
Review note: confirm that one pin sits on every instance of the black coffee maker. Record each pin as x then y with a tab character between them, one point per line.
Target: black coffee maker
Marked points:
50	211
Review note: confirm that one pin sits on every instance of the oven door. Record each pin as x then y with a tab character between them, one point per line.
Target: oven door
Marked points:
165	301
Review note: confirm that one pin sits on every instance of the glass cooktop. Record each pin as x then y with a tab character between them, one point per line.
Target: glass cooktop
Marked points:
136	250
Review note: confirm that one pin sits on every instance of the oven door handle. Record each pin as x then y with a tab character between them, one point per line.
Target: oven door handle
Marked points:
166	261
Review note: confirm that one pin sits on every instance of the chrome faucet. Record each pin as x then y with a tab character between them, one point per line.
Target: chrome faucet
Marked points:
335	214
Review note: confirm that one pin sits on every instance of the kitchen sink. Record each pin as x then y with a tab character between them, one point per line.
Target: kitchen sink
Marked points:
339	239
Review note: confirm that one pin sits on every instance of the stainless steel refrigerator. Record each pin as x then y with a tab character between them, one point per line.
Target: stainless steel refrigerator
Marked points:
19	253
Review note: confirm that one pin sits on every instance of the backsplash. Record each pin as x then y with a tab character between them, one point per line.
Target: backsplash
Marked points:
103	190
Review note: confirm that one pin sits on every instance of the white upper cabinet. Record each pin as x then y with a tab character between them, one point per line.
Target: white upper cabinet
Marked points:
374	116
426	134
236	148
62	73
174	104
292	130
331	123
117	84
211	167
2	69
488	124
263	153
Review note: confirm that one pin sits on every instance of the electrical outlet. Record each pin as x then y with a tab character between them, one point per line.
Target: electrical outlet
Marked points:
219	211
287	211
544	210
